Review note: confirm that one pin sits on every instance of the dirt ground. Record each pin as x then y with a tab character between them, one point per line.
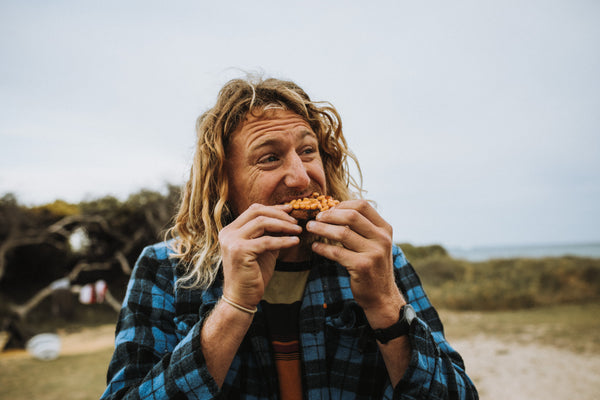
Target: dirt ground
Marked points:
505	370
87	340
499	368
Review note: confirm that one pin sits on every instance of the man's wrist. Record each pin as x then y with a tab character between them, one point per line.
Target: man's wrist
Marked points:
250	311
398	329
386	314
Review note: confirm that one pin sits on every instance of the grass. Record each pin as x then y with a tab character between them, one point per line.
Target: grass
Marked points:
509	284
73	377
573	327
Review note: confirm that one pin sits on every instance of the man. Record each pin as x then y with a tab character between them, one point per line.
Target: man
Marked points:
247	302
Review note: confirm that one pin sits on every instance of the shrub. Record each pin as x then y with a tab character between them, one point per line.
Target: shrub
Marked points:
505	284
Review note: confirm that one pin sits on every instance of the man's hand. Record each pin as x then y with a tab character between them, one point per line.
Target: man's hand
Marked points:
250	246
366	252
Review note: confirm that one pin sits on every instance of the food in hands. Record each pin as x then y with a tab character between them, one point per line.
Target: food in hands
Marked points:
307	208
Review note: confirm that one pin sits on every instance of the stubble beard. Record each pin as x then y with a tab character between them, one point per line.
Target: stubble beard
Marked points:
301	252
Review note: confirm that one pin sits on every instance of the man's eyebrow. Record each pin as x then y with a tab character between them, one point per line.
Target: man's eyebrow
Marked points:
268	142
308	133
259	144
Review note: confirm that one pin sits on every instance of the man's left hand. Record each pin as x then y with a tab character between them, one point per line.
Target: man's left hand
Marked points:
365	250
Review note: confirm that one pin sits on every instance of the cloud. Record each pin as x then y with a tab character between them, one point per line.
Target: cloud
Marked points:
474	122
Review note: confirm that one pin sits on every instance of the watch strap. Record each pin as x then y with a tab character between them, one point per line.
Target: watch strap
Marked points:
399	328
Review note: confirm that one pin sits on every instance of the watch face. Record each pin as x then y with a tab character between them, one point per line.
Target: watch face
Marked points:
409	313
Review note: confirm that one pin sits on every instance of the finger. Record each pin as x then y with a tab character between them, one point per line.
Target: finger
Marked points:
338	233
255	210
263	244
364	208
351	218
343	256
285	207
263	224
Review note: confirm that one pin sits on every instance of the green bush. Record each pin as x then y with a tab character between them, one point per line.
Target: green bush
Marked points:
505	284
419	252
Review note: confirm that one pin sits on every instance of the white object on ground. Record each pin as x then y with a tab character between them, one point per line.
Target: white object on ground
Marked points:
45	346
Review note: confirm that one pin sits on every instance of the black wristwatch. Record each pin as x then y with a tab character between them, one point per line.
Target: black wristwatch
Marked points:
400	328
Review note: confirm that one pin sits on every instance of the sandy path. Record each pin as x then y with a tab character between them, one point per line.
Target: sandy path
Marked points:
500	369
504	370
88	340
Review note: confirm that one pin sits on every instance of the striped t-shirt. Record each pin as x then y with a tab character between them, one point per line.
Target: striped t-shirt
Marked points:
281	305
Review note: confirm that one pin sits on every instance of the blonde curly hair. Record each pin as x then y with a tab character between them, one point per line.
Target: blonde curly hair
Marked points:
204	209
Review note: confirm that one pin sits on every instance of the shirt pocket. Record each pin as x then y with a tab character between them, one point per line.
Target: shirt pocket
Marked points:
352	355
347	328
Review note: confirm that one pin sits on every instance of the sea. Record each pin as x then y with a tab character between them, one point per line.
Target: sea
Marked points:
484	253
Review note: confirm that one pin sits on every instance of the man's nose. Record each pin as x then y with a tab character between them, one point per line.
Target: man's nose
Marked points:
296	175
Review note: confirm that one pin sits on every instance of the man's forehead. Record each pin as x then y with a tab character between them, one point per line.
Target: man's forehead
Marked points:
274	121
271	114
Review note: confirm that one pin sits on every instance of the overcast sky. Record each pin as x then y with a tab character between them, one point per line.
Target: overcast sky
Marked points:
475	122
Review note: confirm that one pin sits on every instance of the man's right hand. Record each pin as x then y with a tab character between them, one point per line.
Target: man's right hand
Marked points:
250	246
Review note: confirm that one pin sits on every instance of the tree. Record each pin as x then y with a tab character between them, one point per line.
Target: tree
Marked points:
97	239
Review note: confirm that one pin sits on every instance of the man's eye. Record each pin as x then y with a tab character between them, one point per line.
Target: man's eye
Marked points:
268	159
308	150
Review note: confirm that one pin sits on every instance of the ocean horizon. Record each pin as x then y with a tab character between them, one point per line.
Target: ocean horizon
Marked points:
484	253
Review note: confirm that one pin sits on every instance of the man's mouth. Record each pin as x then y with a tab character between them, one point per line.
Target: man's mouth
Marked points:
290	198
299	195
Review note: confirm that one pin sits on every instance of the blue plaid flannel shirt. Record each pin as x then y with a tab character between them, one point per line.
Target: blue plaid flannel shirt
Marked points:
158	353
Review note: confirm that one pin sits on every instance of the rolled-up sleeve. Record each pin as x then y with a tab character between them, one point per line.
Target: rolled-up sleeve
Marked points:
156	354
436	370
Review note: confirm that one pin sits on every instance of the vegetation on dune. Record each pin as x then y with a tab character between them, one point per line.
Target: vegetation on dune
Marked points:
504	284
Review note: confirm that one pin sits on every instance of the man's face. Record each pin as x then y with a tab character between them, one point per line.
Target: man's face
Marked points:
273	159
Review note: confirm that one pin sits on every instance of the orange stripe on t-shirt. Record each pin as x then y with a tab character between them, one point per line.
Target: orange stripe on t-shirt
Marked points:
281	305
290	381
292	347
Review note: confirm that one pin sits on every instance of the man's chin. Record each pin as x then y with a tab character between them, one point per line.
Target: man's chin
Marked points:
306	241
301	252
